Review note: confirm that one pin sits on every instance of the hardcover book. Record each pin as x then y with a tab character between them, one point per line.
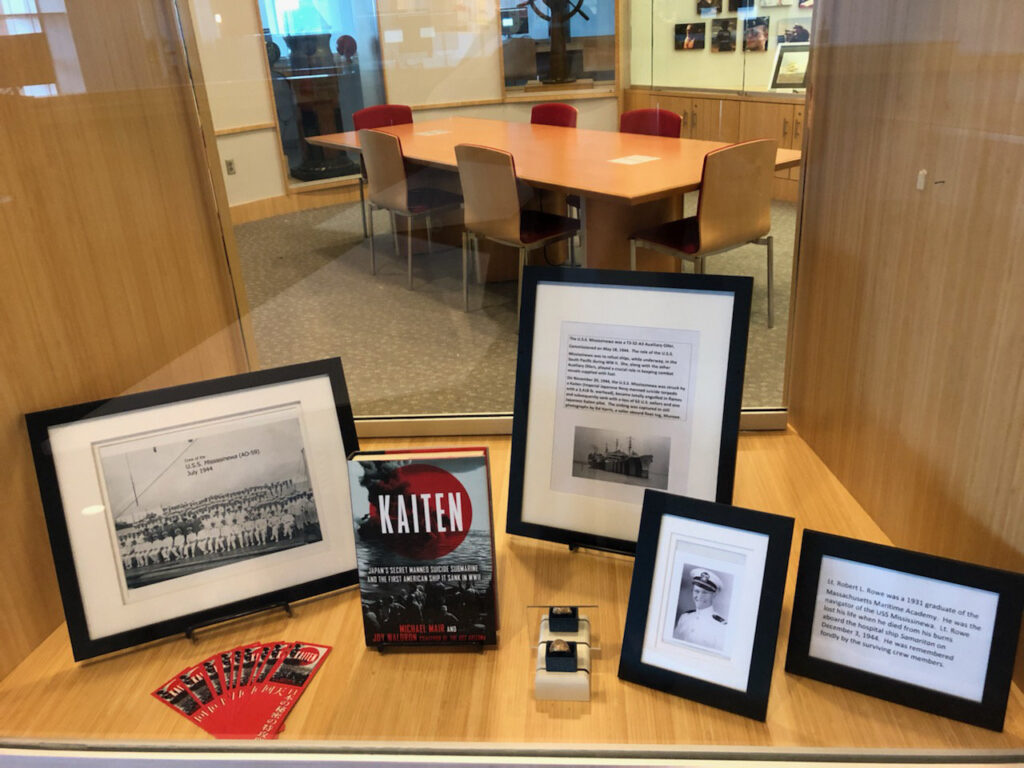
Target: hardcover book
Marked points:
425	546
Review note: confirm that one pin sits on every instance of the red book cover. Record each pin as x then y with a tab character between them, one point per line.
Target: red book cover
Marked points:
425	546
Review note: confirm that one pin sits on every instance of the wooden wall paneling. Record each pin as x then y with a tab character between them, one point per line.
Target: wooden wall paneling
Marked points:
907	356
114	267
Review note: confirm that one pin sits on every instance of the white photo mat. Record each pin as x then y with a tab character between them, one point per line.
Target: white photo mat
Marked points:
94	548
704	319
737	554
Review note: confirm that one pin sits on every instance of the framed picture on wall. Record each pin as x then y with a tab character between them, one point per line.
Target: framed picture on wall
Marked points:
931	633
794	30
179	507
704	605
709	7
690	36
624	381
755	34
723	35
791	61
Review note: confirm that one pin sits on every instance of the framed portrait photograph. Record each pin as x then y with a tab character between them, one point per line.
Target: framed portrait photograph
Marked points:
755	34
176	508
625	381
723	35
690	36
931	633
704	605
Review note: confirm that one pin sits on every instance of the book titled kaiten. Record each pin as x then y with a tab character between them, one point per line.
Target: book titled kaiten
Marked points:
425	546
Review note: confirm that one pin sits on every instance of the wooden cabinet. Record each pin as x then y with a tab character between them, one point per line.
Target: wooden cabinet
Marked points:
703	118
714	119
798	137
732	118
764	120
783	122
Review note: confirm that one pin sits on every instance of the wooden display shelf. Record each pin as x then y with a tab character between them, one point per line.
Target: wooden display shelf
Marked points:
486	698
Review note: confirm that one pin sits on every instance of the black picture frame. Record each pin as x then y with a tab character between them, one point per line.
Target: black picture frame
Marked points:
113	595
551	496
931	574
726	660
791	66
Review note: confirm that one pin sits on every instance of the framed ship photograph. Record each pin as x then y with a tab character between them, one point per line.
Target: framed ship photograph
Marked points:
180	507
703	614
625	381
927	632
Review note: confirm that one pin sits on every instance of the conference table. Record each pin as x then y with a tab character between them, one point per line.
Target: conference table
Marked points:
626	181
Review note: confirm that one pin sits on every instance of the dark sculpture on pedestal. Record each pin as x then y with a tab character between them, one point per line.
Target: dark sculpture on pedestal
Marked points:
314	78
560	11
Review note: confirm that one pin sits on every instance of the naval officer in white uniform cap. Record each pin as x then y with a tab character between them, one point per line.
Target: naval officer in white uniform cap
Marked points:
703	625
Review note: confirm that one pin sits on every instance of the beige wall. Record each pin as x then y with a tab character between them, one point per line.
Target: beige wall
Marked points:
115	274
907	366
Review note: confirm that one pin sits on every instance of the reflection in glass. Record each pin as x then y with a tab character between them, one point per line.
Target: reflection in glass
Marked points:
558	42
323	68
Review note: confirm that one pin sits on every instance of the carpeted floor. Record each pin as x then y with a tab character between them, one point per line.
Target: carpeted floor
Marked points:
309	285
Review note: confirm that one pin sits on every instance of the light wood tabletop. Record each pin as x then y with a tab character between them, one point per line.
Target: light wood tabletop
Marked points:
624	167
456	697
626	181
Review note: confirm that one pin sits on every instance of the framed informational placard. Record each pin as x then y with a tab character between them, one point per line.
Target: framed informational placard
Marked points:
935	634
625	381
183	506
704	605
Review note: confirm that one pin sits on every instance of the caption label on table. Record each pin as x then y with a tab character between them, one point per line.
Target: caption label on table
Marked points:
917	630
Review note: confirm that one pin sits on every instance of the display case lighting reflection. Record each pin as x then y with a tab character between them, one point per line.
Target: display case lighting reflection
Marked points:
93	509
217	18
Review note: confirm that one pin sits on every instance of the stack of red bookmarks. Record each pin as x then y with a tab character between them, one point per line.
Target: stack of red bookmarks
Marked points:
245	692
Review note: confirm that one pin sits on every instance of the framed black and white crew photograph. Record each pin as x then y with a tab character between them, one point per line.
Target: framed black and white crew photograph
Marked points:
705	601
931	633
624	381
174	508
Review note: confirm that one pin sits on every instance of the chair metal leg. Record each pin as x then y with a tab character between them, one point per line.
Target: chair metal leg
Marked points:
373	253
408	248
769	241
394	230
632	255
362	204
430	246
465	271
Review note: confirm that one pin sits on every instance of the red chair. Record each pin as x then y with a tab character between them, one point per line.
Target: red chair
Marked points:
376	117
553	113
651	122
